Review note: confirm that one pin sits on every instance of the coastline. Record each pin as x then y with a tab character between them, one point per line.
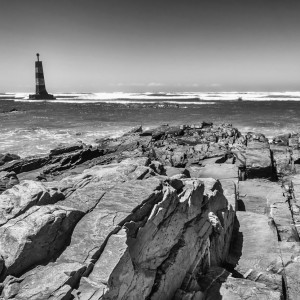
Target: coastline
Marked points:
198	197
36	128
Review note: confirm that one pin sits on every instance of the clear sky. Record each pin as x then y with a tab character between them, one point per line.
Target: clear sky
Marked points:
150	45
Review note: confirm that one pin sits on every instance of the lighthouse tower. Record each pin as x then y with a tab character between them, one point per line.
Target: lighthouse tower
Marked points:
40	87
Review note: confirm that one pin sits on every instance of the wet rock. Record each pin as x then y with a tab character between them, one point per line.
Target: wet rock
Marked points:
25	165
282	140
4	158
135	129
7	180
64	148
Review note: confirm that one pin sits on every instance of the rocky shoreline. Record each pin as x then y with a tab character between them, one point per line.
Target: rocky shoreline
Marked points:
177	212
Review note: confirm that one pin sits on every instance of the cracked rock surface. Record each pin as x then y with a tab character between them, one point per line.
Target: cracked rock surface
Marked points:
191	212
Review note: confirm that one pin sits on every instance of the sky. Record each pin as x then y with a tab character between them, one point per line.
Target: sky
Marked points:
141	46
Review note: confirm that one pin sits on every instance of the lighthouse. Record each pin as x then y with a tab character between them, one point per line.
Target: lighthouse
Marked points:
40	87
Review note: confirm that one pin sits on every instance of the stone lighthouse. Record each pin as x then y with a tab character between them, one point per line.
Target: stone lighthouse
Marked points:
40	87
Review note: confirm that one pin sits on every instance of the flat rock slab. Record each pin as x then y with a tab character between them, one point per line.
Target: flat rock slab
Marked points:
242	289
115	207
282	160
256	195
36	236
216	171
86	198
54	281
255	250
295	202
21	197
230	192
258	160
290	253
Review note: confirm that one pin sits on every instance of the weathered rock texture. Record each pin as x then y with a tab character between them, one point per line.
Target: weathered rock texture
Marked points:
176	212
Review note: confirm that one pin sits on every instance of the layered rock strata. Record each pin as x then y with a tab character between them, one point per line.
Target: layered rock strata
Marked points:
184	212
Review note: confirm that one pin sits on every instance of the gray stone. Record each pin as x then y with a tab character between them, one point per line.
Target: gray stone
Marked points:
36	236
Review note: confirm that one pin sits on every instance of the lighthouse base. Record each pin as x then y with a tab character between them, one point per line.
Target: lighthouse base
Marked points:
41	97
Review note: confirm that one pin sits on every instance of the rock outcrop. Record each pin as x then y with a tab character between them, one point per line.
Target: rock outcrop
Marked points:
176	212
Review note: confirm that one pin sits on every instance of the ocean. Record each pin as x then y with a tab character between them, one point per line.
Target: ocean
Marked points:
30	127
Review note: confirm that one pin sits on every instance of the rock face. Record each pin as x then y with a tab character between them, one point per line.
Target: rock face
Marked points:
4	158
176	212
35	236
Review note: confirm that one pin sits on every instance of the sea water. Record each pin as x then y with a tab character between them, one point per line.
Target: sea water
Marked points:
35	127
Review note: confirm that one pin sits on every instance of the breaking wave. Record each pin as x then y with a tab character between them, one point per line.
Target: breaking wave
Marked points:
174	98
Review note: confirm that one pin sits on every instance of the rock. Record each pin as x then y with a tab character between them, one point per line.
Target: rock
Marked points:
216	171
115	208
65	148
254	251
157	167
282	157
210	282
282	140
258	160
84	199
241	289
176	182
294	197
8	180
281	214
4	158
293	142
157	250
25	165
55	281
290	254
21	197
135	129
257	195
36	236
137	218
171	171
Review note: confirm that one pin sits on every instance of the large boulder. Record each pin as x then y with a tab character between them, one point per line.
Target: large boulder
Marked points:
54	281
18	199
128	201
36	236
258	160
147	259
8	180
4	158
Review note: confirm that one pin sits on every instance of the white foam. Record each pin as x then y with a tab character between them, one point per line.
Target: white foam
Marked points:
185	97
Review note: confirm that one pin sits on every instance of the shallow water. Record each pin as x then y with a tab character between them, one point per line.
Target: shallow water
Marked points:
37	127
